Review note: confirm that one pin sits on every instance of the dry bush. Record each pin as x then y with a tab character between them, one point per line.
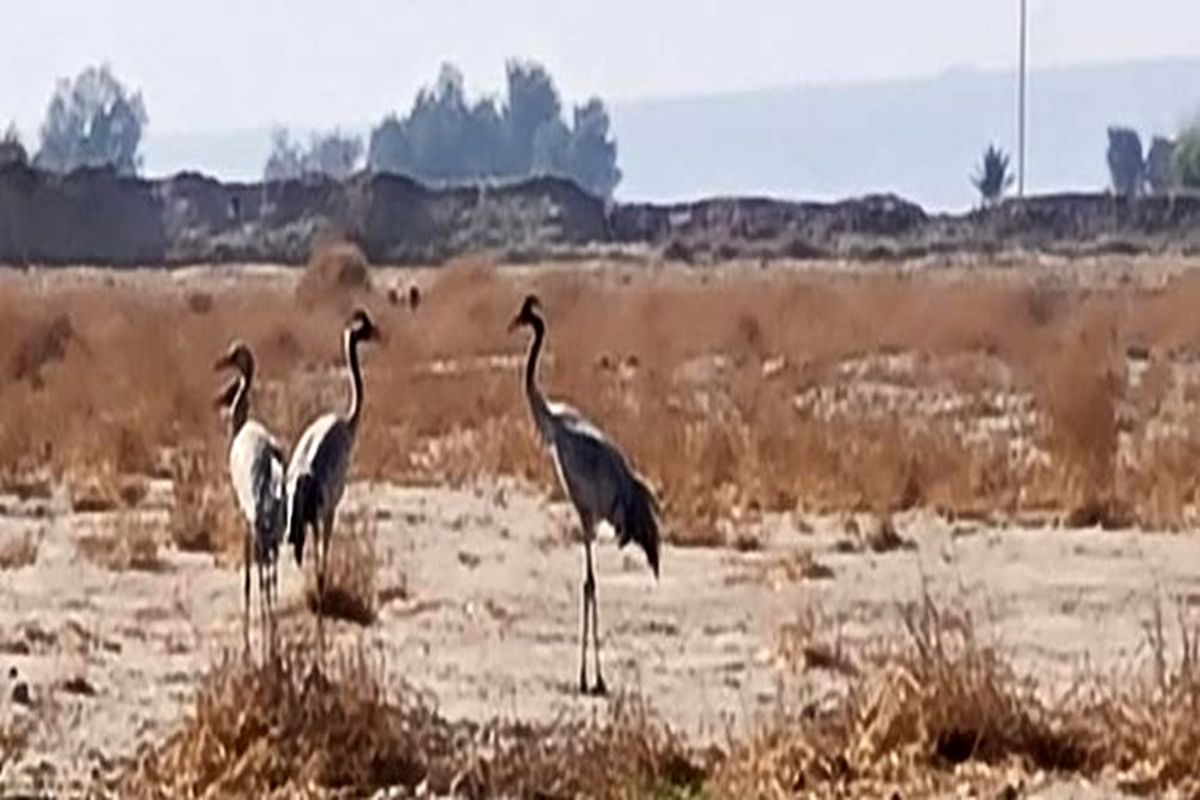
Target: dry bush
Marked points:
909	721
291	726
337	274
20	551
43	343
352	572
204	516
126	541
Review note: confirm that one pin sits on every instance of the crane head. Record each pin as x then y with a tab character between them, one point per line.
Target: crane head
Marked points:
238	357
362	328
528	313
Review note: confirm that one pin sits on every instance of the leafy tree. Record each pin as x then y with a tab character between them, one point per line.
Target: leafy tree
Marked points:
993	178
1125	163
445	138
331	154
1187	157
1160	167
286	160
532	103
11	149
92	121
593	156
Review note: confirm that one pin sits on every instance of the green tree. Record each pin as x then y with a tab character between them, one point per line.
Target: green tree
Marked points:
332	154
1187	157
92	121
445	138
1125	163
11	149
1160	165
992	178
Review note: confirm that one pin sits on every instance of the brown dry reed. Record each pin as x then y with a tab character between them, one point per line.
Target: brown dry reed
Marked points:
735	393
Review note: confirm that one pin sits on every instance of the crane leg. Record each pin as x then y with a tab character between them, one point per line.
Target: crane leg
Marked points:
246	599
319	565
599	689
263	600
587	599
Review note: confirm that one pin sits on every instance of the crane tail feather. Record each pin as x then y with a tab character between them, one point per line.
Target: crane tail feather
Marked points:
641	523
301	511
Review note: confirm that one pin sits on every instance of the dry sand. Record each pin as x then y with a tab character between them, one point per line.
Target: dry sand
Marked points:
490	621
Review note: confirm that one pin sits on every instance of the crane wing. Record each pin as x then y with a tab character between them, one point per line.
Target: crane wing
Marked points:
601	484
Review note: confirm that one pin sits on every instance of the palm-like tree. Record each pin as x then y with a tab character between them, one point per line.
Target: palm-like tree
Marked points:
993	178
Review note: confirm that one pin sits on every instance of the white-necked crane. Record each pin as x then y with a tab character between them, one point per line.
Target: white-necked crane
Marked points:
316	474
596	477
257	474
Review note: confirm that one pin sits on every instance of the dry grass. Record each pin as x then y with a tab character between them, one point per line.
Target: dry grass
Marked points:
337	274
20	551
754	392
351	593
941	712
124	542
946	713
291	727
204	517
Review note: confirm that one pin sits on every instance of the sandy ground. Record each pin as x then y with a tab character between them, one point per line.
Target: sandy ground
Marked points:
490	622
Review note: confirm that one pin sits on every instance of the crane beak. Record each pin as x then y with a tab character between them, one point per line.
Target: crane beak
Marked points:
224	362
515	323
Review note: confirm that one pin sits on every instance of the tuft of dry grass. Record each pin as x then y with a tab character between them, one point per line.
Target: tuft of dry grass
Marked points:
337	274
351	593
126	541
20	551
292	725
204	517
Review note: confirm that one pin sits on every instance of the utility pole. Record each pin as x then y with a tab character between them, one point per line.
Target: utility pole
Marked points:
1021	81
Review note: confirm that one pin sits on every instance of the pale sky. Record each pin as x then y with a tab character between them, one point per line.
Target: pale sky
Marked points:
225	64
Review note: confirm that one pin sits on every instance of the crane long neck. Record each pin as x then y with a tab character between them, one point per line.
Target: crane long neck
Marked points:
241	403
537	401
350	341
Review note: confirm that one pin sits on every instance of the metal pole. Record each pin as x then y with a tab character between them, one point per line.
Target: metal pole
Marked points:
1021	101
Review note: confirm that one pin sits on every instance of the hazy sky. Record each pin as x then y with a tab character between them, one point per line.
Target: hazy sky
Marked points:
213	65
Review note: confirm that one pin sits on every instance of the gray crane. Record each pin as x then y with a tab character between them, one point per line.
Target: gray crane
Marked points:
596	477
316	475
257	474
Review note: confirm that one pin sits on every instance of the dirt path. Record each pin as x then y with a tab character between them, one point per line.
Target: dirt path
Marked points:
490	620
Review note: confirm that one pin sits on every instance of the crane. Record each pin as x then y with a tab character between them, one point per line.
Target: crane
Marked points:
256	472
596	477
316	474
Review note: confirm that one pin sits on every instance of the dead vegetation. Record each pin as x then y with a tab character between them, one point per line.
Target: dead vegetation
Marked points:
939	711
351	593
294	726
336	274
758	391
204	517
124	542
943	712
19	551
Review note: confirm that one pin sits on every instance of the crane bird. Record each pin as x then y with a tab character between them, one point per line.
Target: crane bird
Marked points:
316	475
596	477
257	474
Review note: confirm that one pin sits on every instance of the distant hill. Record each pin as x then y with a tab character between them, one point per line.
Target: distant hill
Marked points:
919	138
